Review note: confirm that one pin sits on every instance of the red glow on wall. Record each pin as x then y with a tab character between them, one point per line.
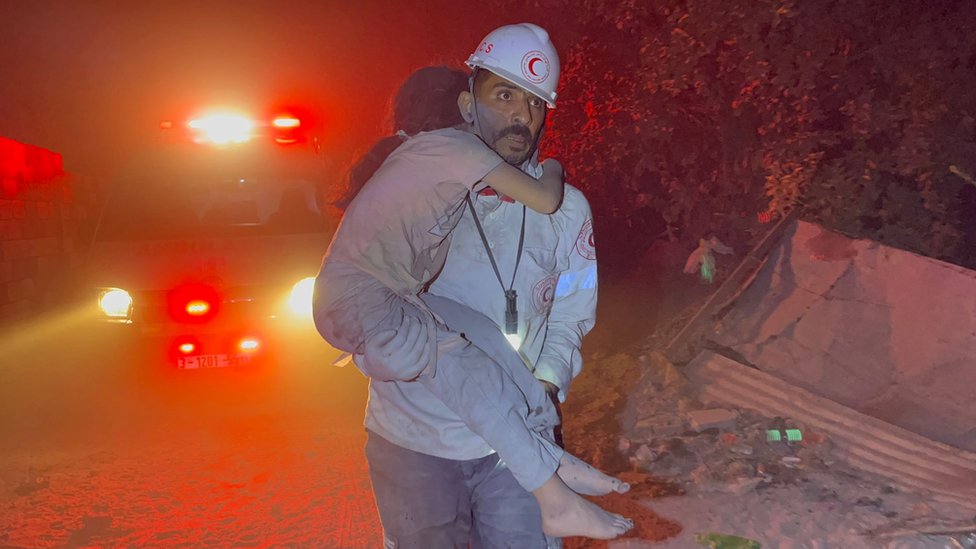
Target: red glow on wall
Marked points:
23	165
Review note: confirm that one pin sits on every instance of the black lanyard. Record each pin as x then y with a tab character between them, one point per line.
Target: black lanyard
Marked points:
511	308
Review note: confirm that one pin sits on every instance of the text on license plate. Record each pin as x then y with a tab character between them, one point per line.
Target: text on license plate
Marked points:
212	361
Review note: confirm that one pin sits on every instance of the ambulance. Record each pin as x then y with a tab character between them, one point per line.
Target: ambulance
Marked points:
209	240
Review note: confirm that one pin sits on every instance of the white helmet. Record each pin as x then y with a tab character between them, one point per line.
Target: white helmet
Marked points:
524	55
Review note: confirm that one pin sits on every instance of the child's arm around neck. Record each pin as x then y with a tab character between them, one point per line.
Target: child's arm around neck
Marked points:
543	195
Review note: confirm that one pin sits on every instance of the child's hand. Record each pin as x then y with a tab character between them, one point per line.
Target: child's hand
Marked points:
552	167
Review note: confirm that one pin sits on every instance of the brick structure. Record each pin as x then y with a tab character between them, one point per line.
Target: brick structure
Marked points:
42	212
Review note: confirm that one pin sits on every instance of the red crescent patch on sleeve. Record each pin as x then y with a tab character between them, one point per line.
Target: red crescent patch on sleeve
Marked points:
543	293
585	245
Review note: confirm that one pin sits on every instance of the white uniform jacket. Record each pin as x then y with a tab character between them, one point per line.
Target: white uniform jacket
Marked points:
556	285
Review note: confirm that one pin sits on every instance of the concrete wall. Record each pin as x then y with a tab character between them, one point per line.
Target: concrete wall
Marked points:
42	213
886	332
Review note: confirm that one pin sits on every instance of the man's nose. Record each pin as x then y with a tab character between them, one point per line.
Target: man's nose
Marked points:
522	112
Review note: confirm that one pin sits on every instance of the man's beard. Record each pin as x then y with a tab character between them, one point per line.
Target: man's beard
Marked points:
518	131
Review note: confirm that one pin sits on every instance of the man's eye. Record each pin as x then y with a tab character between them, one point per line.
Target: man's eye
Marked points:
505	96
536	103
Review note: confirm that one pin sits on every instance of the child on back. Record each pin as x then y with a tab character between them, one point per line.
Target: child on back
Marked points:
390	244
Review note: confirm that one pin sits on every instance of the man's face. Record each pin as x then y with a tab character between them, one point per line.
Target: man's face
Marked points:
510	118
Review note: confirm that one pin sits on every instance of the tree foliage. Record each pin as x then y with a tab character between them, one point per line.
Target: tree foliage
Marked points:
708	112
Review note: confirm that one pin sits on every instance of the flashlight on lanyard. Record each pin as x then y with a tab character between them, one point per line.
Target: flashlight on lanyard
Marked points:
511	297
511	312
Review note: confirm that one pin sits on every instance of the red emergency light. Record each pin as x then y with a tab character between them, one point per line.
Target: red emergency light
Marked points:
185	345
229	128
286	122
197	307
193	303
249	344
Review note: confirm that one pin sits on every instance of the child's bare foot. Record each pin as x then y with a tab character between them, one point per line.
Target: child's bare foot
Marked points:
565	513
583	478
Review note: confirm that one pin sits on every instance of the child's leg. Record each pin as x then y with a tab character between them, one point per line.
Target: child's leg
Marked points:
488	401
350	307
493	405
480	330
493	395
499	400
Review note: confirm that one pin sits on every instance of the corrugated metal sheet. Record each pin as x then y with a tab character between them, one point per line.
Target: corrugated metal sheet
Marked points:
910	461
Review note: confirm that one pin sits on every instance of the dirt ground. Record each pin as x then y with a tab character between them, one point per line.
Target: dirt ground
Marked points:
102	447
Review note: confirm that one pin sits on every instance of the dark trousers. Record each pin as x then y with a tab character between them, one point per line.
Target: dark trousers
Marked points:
426	502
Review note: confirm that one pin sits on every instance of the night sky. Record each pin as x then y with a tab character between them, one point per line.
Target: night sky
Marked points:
92	79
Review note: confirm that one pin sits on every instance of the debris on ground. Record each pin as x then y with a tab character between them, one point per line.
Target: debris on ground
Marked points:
725	541
773	480
733	472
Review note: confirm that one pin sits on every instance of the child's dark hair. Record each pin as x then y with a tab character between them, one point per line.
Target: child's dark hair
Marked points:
426	101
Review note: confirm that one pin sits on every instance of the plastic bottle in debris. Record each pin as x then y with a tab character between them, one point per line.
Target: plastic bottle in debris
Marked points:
784	435
726	541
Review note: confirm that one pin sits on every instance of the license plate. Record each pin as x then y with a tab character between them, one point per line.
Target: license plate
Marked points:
212	361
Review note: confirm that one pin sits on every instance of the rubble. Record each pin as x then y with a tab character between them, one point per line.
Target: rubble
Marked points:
771	478
787	487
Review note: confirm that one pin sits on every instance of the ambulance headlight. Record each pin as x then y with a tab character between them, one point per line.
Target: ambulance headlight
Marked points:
300	299
115	303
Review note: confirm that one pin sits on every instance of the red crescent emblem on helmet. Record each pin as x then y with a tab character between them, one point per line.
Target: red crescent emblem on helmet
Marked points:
535	67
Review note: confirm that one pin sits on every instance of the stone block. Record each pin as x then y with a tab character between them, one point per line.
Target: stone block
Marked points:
13	310
18	209
44	246
25	267
41	228
11	229
662	370
29	247
8	186
14	249
23	289
45	210
48	265
715	418
662	425
6	209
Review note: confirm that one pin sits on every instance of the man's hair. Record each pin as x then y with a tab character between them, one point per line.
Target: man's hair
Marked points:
477	74
426	101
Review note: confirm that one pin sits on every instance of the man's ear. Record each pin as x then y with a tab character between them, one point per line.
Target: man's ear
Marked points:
465	103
